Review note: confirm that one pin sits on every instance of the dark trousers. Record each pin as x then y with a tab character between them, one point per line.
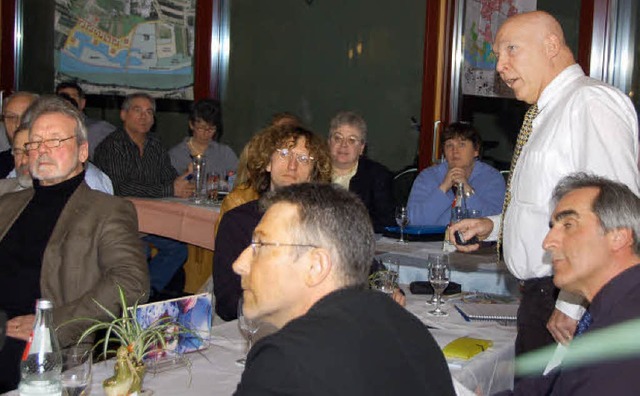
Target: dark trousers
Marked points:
536	306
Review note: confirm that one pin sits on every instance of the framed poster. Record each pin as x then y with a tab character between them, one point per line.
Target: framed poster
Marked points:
116	47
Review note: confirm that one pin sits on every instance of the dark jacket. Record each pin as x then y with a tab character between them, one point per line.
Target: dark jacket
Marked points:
372	183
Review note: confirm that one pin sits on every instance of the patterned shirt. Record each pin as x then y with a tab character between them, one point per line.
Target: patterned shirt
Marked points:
150	175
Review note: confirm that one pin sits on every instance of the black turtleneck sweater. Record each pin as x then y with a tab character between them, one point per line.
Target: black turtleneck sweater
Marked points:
21	250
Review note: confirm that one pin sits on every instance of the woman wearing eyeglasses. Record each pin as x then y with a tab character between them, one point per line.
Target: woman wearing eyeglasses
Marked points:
278	156
368	179
205	126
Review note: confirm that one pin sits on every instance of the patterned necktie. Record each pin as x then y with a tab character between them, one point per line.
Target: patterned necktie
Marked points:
584	323
523	137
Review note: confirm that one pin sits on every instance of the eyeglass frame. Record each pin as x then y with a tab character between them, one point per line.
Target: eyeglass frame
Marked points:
207	129
352	141
255	245
46	143
285	153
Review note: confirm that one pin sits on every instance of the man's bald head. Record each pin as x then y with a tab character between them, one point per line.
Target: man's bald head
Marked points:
531	51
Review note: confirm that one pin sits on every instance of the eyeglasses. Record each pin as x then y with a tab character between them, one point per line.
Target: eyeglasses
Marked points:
205	128
303	159
255	245
339	140
18	151
13	118
48	143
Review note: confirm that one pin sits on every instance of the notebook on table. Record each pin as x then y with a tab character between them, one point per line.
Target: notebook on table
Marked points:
193	312
482	311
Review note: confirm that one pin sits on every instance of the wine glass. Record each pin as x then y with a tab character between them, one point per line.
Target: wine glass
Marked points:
439	275
437	257
76	370
402	218
249	327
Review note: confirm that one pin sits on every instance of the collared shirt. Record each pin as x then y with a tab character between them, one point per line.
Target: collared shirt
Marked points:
584	125
344	180
428	205
150	175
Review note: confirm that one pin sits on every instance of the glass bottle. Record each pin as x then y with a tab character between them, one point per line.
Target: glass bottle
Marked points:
41	363
459	207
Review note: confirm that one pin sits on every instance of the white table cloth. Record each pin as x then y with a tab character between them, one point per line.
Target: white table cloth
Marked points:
215	372
477	271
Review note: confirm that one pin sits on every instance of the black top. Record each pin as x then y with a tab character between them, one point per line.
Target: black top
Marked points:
234	235
372	183
150	175
618	301
21	252
6	163
352	342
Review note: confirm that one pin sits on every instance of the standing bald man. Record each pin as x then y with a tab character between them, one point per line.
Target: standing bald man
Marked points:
580	125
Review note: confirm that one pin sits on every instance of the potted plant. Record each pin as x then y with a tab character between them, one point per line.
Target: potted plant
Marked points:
135	343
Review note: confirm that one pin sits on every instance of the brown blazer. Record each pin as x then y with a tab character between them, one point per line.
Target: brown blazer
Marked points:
94	246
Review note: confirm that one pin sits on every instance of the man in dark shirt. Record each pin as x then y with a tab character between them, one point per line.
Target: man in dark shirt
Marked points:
139	166
12	112
305	273
594	246
62	241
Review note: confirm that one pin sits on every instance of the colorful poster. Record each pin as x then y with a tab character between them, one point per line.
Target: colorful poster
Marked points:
121	46
482	20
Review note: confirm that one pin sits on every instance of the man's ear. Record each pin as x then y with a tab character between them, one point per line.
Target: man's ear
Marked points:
620	238
318	266
552	45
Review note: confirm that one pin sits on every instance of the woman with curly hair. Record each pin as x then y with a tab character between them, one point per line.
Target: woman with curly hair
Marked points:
277	156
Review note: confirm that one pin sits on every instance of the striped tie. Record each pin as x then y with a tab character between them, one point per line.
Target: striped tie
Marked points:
523	137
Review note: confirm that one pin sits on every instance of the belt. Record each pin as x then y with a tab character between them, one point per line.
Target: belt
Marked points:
535	283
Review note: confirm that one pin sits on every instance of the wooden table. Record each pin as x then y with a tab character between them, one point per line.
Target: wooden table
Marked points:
183	221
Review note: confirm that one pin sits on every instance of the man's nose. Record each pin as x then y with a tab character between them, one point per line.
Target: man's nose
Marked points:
551	240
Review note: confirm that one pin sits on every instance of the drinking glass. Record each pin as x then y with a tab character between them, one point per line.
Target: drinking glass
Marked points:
213	185
388	278
439	275
76	370
402	218
249	327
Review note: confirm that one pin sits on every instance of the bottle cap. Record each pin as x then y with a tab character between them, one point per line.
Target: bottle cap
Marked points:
44	304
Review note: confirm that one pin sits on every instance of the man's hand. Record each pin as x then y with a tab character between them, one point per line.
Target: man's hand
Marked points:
562	327
399	297
454	176
480	228
20	327
182	188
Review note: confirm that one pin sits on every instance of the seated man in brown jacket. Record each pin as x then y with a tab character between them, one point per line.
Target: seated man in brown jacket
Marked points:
61	240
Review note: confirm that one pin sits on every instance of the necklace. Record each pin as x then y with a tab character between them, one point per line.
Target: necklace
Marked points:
193	150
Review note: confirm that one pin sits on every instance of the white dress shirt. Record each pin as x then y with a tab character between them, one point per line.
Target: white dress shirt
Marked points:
583	125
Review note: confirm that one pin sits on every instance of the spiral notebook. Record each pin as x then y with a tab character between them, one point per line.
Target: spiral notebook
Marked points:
480	311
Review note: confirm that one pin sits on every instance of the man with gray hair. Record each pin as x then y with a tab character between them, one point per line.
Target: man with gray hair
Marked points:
139	166
61	240
305	273
594	246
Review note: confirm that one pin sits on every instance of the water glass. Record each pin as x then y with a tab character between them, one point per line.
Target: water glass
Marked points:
76	370
388	279
213	186
439	276
249	327
402	219
199	174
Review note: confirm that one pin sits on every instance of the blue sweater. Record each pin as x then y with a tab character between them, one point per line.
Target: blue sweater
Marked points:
430	206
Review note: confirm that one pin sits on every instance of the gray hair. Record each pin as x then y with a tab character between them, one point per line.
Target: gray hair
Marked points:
31	95
615	206
335	219
349	118
48	104
126	105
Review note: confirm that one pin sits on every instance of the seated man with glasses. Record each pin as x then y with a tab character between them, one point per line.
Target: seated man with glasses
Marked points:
14	108
205	129
306	274
368	179
286	155
62	240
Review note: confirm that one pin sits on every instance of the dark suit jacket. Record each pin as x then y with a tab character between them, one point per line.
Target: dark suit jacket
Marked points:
351	342
94	246
372	183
